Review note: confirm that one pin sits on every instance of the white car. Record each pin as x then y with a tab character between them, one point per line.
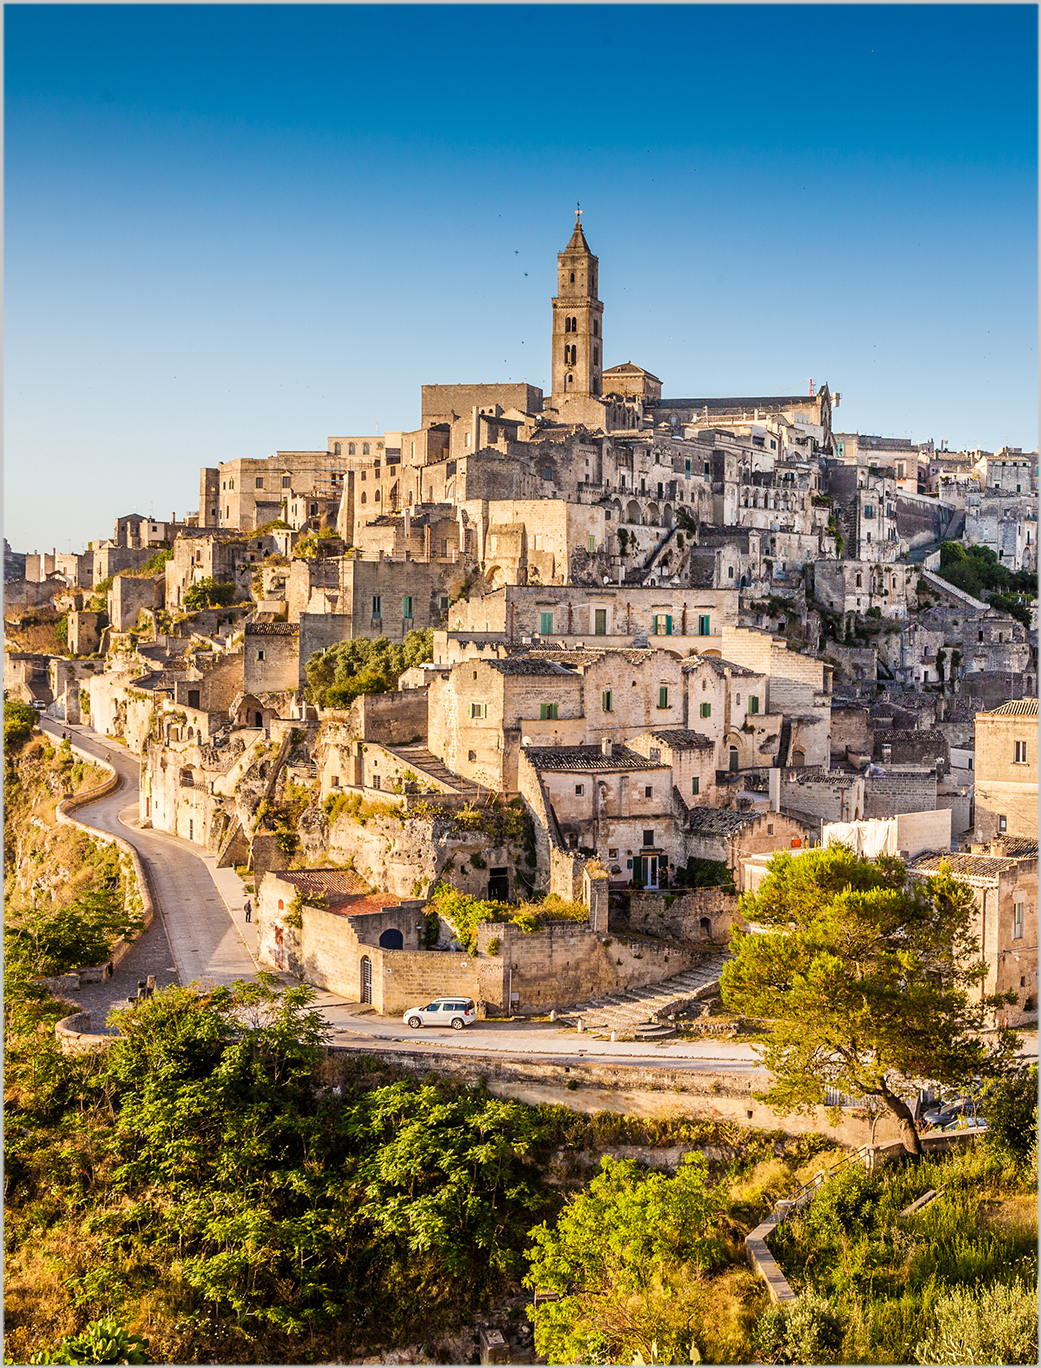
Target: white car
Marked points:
456	1012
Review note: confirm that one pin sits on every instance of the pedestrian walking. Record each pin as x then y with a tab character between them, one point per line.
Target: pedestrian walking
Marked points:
248	910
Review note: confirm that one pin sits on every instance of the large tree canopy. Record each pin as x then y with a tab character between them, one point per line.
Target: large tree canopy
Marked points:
866	979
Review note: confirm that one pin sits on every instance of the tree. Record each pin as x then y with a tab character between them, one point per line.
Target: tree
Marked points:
1011	1110
865	978
624	1259
19	721
361	665
208	593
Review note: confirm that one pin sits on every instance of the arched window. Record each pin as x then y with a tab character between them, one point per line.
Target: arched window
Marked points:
281	905
734	759
730	572
365	449
376	496
567	325
705	928
338	449
363	496
379	446
860	580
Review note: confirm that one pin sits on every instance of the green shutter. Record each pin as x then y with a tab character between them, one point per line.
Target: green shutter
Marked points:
668	624
695	787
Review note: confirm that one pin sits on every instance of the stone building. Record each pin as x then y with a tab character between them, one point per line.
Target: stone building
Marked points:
1003	877
1006	771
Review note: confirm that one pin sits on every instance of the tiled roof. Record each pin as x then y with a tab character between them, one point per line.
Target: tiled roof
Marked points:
528	665
583	759
683	739
1018	707
769	401
272	629
348	894
723	821
719	665
966	866
1020	847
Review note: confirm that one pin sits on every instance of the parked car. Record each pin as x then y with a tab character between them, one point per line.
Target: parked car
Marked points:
456	1012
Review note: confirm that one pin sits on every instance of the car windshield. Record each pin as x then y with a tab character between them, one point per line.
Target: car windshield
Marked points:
434	1007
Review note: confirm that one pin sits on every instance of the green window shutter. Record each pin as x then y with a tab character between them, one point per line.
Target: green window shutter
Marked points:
606	700
706	710
704	625
753	704
546	624
668	624
695	787
663	697
600	621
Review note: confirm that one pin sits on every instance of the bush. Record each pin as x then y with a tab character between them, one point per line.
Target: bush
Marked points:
844	1204
1011	1110
806	1329
206	594
19	721
991	1324
103	1341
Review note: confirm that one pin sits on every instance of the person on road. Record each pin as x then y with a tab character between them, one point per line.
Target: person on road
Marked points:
248	909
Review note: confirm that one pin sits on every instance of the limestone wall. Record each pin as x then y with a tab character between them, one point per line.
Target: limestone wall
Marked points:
682	918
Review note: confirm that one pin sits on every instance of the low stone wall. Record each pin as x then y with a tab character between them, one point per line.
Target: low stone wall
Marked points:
683	917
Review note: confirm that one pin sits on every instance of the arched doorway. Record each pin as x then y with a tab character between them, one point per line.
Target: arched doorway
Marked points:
392	939
734	760
706	928
366	979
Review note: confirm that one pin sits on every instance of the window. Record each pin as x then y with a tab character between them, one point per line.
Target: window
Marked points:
655	754
1021	753
478	709
193	698
260	655
591	546
706	710
547	712
260	482
607	701
769	828
869	511
338	449
549	472
860	581
363	499
663	624
471	755
648	791
600	622
612	852
663	696
443	602
546	624
365	449
285	481
579	790
695	787
648	838
406	606
1002	823
730	572
753	703
703	625
1017	921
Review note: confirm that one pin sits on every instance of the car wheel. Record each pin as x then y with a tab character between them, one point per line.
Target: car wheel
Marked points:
457	1023
414	1022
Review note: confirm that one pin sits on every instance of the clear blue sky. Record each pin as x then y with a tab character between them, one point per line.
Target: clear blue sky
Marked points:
232	229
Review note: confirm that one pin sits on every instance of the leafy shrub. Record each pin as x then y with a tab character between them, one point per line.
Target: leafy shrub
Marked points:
42	940
347	659
343	695
844	1204
19	721
208	593
806	1329
103	1341
986	1324
1011	1109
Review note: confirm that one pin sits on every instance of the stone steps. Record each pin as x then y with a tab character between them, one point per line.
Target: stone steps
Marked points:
641	1008
424	761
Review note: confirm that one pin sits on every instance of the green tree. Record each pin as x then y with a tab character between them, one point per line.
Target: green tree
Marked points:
208	593
1010	1106
377	659
19	721
624	1259
45	940
865	978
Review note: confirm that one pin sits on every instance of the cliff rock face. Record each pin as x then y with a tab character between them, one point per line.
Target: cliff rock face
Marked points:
45	862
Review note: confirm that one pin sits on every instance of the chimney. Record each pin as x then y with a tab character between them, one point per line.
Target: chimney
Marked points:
607	747
997	845
774	778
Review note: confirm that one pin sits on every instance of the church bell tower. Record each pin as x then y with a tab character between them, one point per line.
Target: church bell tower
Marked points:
578	345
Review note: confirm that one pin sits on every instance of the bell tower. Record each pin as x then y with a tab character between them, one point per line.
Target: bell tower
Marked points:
578	344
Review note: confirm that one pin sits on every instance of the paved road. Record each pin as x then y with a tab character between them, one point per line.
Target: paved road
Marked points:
200	931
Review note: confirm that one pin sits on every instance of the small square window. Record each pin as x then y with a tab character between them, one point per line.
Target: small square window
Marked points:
1021	753
1002	823
612	852
478	709
260	655
335	781
579	790
260	482
547	712
648	791
648	839
706	710
769	828
471	755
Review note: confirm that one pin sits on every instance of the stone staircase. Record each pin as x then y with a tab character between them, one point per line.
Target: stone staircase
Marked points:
642	1011
428	766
